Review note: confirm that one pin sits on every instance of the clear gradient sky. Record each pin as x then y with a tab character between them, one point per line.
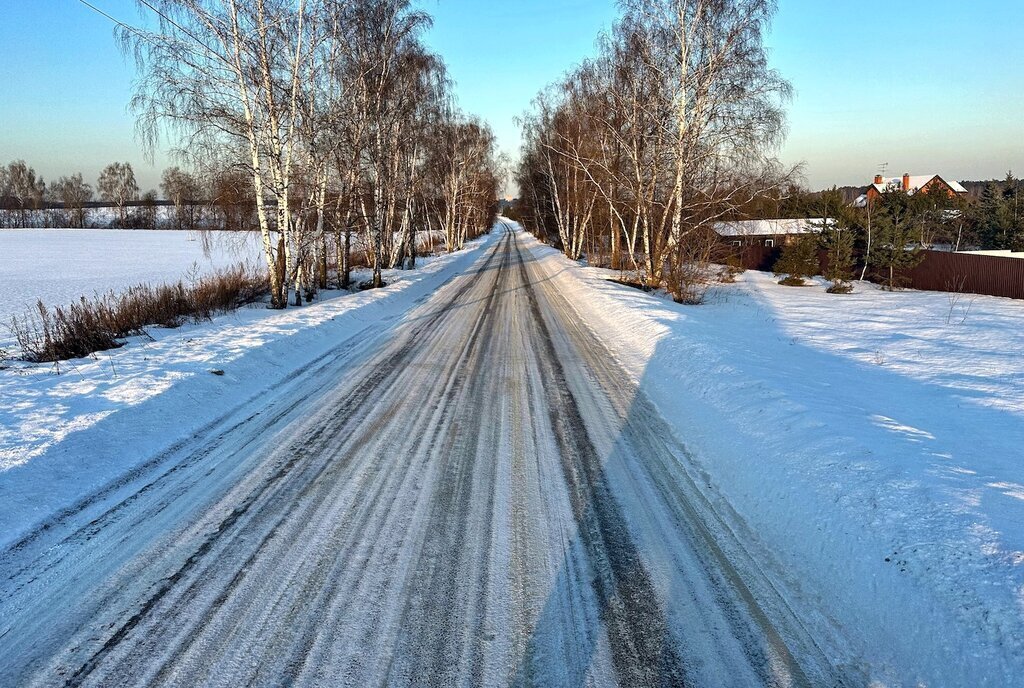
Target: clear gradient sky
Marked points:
924	85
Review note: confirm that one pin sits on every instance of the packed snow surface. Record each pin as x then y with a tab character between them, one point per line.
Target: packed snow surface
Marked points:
58	266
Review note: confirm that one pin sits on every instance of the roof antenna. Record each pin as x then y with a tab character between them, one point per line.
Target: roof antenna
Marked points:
882	168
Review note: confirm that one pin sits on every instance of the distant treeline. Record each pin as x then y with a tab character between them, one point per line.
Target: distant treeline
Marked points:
220	198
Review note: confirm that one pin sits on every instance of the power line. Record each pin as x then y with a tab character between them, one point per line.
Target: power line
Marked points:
178	26
120	23
142	34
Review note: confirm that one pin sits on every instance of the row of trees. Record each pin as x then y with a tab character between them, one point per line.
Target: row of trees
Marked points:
219	197
338	117
996	220
669	129
882	240
23	193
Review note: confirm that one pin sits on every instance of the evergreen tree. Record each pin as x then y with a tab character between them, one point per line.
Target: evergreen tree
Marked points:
835	231
989	212
795	203
798	261
999	214
935	215
896	250
1013	213
838	242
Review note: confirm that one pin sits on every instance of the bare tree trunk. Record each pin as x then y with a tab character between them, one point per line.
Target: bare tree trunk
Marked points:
346	269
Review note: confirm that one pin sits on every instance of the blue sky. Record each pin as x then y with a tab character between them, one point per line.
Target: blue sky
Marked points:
926	86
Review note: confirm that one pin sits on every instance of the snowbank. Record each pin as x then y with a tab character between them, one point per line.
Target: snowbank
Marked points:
873	444
63	437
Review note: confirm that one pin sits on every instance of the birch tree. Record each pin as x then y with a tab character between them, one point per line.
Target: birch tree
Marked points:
463	167
74	193
386	44
24	189
183	190
223	72
327	107
688	119
117	185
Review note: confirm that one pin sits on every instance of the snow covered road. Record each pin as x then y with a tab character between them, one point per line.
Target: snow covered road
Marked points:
478	497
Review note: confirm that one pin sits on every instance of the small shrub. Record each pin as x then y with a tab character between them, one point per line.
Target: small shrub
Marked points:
97	324
689	274
840	288
733	269
792	281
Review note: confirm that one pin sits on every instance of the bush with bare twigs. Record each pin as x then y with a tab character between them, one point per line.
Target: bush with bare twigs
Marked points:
99	323
732	269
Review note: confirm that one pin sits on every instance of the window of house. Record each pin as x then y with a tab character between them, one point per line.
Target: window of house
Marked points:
737	243
770	243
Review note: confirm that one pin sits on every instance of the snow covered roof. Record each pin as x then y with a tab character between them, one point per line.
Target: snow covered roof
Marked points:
769	227
917	181
999	253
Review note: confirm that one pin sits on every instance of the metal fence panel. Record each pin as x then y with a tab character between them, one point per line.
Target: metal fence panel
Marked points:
969	274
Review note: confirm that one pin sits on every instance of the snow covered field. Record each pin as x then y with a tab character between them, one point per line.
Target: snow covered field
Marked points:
61	265
872	443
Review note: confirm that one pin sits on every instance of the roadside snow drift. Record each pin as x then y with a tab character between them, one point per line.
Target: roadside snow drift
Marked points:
872	443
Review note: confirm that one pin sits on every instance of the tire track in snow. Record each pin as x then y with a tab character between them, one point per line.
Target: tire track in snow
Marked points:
642	651
777	646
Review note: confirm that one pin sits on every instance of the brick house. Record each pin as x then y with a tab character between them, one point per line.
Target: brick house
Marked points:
909	184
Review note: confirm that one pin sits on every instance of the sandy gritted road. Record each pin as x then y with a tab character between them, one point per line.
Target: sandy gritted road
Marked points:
478	497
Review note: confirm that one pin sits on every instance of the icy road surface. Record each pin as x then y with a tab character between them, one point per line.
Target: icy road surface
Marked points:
479	497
